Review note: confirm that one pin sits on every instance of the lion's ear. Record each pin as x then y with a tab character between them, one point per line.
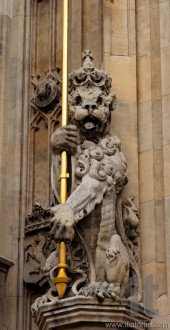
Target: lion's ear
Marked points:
112	101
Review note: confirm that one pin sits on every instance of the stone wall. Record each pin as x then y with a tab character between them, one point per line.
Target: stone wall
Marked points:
14	68
129	39
153	136
119	49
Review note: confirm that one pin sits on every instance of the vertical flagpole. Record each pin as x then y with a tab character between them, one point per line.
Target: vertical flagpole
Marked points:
62	280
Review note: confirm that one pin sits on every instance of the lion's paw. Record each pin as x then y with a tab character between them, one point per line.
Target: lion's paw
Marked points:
100	290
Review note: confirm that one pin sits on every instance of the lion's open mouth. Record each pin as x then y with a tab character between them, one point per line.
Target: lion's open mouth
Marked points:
90	123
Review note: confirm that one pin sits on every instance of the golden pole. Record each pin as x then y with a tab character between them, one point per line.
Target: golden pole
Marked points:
62	280
64	174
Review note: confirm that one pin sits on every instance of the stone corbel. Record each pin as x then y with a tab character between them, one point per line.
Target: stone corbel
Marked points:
5	264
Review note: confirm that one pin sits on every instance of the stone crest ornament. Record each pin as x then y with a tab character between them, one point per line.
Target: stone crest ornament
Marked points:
47	93
38	245
100	229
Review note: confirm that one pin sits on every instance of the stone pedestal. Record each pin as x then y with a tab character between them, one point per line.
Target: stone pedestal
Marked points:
87	313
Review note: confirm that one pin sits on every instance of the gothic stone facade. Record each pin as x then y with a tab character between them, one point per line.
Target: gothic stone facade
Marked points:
130	40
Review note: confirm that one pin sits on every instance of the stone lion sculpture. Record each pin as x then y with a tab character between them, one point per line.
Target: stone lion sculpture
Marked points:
100	229
99	172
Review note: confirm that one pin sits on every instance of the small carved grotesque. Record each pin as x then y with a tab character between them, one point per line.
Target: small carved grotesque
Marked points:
47	93
43	91
93	214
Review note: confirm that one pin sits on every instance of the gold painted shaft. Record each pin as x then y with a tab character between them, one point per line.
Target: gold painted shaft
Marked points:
63	178
62	253
63	187
65	63
61	281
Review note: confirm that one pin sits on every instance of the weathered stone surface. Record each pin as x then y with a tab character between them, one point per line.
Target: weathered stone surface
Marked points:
117	263
87	313
147	236
144	83
152	15
90	106
145	126
147	174
145	23
166	153
99	174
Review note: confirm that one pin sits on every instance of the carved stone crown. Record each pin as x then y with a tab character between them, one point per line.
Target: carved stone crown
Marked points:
89	76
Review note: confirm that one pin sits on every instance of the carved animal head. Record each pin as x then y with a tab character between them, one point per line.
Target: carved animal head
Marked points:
112	254
90	100
43	91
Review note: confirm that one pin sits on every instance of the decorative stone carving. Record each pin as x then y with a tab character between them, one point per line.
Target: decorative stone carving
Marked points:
90	103
117	264
38	245
38	219
127	224
41	254
94	220
45	93
45	115
48	92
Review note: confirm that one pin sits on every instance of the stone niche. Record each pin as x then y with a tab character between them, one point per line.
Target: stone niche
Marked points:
99	230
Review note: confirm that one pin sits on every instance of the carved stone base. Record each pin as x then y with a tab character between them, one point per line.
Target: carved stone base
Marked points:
87	313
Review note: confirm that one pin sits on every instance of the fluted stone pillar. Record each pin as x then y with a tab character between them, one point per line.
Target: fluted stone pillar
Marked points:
14	115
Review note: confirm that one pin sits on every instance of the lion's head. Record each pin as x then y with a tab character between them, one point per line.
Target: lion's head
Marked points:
90	100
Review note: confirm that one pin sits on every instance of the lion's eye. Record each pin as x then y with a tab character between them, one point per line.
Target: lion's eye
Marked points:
99	100
78	100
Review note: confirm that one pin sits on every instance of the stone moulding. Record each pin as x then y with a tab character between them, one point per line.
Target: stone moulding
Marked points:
87	313
5	264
